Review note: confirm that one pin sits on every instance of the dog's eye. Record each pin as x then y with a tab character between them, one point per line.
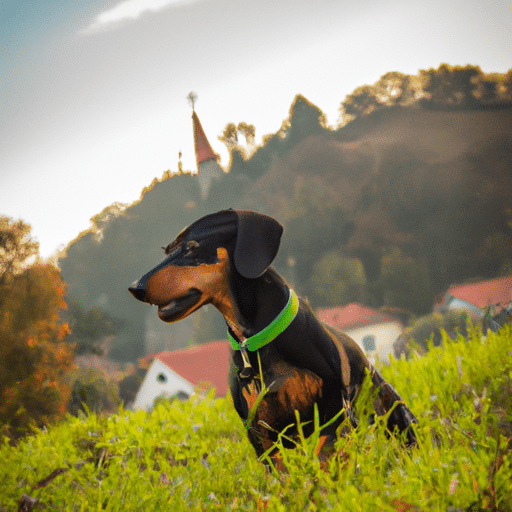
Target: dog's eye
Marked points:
190	246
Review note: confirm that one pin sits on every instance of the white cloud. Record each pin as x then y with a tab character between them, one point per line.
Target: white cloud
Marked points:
129	10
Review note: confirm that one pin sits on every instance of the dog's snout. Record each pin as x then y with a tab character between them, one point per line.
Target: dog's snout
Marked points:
138	291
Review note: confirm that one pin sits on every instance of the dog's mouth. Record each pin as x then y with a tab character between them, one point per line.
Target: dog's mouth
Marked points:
180	307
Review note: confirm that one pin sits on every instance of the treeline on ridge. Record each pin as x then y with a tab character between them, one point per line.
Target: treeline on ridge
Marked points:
409	194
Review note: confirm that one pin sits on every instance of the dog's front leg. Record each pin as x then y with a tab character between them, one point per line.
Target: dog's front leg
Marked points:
401	417
259	431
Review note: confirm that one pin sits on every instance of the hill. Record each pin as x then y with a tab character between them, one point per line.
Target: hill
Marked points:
419	196
196	456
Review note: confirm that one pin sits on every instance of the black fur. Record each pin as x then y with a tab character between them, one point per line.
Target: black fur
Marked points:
307	364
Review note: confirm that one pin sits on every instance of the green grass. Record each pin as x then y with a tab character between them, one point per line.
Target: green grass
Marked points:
194	456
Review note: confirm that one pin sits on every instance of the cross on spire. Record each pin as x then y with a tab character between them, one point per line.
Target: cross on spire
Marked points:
192	97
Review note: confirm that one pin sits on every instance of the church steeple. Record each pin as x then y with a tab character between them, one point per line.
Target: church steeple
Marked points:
208	168
203	149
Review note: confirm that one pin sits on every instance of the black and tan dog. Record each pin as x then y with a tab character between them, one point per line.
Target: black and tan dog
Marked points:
224	259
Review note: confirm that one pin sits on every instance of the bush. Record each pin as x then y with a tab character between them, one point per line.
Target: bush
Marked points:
93	392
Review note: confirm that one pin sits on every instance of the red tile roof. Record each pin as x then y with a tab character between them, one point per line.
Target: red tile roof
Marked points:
352	316
484	293
205	363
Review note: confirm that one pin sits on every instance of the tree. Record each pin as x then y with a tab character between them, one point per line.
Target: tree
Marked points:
90	328
34	358
16	247
230	138
450	85
394	88
404	282
507	85
361	102
314	224
337	280
93	391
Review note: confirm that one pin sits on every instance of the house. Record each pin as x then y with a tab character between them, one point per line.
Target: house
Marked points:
477	297
373	330
180	372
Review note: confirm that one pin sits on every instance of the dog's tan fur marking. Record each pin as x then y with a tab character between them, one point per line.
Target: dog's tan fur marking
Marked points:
345	365
173	282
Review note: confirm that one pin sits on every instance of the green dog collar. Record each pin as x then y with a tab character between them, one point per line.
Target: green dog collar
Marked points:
273	330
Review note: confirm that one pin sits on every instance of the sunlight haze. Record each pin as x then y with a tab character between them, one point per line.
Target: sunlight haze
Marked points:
93	94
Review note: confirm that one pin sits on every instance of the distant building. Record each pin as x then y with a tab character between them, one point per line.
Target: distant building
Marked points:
477	297
374	331
208	168
180	372
486	302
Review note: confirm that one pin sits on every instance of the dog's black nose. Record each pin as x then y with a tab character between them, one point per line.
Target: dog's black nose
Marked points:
138	291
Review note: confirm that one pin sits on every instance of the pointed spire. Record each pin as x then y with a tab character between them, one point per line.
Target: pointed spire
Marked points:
203	149
208	168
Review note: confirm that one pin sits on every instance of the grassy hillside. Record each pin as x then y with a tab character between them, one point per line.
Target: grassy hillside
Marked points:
195	456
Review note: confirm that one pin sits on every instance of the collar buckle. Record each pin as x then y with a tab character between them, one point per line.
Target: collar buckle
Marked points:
247	371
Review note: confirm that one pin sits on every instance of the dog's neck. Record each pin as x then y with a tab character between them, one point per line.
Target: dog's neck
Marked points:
256	302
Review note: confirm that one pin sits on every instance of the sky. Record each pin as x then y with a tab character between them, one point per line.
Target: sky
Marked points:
93	93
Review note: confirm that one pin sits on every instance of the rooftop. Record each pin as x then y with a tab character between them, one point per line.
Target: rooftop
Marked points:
352	316
484	293
204	363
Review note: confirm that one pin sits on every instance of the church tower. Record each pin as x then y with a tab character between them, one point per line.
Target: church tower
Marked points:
208	168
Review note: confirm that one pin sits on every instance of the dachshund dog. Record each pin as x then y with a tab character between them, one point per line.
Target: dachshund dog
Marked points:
279	346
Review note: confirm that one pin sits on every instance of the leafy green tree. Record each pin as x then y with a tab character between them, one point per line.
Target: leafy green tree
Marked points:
429	328
34	356
93	391
304	120
16	248
487	90
337	280
507	85
89	328
394	88
99	267
496	253
450	85
404	282
359	103
314	224
230	138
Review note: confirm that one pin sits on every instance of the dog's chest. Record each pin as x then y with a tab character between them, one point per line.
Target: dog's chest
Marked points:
287	389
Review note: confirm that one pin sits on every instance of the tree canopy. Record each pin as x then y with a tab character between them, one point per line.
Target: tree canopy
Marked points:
34	356
410	194
445	87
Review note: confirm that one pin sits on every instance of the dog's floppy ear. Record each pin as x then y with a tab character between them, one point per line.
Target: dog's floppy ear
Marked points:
257	243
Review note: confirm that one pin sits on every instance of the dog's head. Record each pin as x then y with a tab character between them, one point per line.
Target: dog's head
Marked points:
196	267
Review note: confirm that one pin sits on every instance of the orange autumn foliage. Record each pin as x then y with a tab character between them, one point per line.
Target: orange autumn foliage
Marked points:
35	359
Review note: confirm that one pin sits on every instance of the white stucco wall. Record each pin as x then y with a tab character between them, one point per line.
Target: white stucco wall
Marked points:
152	386
385	335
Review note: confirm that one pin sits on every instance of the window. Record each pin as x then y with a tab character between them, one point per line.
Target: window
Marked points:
161	378
369	343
